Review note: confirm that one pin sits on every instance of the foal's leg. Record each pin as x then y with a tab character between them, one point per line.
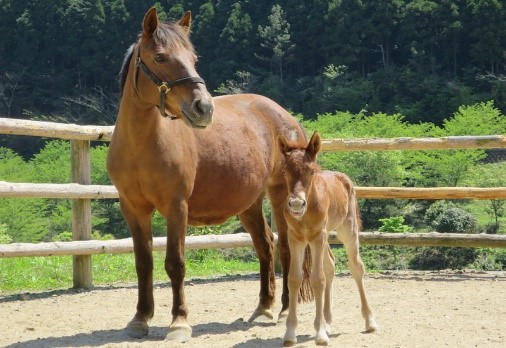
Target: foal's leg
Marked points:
139	223
294	282
255	224
318	282
176	217
348	234
329	270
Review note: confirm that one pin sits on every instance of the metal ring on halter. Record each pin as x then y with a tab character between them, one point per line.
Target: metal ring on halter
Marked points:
164	85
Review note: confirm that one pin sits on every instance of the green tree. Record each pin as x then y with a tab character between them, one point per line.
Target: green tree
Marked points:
276	38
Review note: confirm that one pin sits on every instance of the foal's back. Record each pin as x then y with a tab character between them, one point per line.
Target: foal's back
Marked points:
342	198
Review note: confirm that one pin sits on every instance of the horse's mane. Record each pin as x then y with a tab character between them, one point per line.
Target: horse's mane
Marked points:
166	34
124	68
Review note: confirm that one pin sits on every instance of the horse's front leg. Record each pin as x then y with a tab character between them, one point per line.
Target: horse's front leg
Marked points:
318	283
175	267
295	278
139	223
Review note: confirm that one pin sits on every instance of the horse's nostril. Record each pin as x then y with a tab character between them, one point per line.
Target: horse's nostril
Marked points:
303	203
202	107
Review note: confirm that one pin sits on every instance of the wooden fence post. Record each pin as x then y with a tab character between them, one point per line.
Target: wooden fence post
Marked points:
81	211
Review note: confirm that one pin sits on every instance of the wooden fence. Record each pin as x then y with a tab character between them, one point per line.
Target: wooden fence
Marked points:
81	192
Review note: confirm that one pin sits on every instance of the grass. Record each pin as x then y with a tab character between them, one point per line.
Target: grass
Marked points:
32	274
50	273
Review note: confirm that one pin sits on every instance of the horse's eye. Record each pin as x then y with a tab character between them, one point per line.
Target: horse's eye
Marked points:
159	58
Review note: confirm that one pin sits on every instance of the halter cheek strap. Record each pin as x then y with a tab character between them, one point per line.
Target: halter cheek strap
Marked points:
163	86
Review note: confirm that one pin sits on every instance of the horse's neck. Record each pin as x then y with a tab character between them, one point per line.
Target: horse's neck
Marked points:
137	119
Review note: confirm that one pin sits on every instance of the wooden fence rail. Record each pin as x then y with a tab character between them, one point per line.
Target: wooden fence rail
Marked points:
238	240
76	191
81	193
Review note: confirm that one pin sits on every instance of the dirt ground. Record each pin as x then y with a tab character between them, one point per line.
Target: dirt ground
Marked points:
426	309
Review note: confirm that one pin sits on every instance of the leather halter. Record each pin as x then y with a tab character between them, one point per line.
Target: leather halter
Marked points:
163	86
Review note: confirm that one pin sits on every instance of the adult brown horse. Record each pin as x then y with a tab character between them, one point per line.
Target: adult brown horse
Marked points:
196	160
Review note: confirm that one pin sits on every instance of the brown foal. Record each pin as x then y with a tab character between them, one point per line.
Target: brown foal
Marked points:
317	202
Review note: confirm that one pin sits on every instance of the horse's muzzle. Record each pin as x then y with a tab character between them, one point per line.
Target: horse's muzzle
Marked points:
200	113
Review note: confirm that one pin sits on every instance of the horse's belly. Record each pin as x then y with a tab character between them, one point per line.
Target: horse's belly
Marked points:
214	201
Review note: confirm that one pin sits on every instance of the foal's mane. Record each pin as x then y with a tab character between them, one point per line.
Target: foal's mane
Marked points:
303	160
169	34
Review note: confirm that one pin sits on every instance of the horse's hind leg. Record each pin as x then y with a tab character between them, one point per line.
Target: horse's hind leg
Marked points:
348	234
139	223
277	196
255	224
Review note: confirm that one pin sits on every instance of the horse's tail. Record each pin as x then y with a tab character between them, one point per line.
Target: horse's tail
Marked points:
306	291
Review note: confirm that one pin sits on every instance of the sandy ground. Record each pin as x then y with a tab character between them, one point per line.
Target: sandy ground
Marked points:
428	309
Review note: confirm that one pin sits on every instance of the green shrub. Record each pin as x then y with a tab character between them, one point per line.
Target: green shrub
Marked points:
446	217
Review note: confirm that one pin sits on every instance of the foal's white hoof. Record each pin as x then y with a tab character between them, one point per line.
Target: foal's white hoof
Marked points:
137	328
289	342
322	339
371	326
180	332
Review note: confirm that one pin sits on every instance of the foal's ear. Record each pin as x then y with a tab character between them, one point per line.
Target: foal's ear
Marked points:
283	145
186	21
314	145
150	22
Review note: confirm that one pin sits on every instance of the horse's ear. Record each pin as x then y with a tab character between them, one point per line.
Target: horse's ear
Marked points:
314	145
186	21
283	145
150	22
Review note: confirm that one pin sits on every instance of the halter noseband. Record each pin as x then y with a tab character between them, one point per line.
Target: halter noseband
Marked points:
163	86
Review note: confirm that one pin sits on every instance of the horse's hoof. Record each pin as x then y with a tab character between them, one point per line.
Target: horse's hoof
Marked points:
180	332
261	313
137	329
371	326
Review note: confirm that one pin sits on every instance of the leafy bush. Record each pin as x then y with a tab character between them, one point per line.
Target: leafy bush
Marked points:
454	220
394	224
446	217
442	258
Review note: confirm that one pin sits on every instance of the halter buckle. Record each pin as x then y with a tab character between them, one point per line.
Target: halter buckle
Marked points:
163	88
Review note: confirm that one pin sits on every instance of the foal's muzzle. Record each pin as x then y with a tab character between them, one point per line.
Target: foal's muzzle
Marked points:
297	206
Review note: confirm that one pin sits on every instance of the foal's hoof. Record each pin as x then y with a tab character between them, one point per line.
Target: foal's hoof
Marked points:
137	328
180	332
371	326
261	312
289	343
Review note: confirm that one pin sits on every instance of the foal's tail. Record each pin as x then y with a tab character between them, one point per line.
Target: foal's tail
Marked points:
306	291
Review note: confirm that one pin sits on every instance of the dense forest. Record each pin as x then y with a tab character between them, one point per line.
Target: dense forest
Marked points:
59	59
